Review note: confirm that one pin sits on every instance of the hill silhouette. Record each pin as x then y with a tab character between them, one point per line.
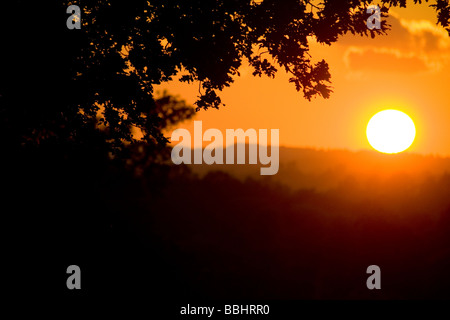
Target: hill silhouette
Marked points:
156	230
312	230
322	170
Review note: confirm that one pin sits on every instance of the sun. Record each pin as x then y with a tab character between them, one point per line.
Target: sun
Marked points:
391	131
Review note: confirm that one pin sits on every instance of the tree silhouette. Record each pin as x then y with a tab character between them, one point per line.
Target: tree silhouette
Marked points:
75	82
71	98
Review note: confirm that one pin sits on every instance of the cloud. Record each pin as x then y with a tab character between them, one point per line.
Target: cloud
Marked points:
411	46
382	60
428	36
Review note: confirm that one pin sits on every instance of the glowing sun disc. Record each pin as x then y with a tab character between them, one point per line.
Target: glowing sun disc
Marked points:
390	131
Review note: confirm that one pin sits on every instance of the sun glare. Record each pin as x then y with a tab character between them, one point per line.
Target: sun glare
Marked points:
390	131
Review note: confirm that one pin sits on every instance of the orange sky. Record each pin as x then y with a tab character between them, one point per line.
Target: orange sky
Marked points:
407	70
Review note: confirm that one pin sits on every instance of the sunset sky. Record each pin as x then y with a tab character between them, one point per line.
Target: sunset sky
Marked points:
406	70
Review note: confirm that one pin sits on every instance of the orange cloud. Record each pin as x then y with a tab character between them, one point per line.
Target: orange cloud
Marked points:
386	61
411	46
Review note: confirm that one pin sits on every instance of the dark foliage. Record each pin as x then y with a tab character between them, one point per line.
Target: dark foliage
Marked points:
65	85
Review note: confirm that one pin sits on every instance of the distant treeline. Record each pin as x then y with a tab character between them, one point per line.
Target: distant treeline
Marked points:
321	170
